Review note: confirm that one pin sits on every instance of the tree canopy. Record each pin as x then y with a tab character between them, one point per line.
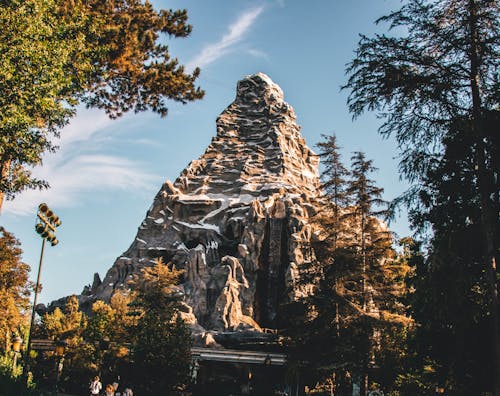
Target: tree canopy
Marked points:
138	335
162	341
57	54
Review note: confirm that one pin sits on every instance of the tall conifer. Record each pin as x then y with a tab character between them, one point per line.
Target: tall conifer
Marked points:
334	181
356	283
437	77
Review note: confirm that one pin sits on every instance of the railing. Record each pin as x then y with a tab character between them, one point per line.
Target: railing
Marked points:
237	356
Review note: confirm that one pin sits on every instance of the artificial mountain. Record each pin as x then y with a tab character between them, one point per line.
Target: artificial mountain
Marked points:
237	219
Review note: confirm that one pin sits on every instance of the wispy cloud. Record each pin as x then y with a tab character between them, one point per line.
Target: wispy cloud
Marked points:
258	53
79	168
213	51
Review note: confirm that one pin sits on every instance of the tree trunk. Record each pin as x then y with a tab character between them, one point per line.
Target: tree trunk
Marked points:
337	374
487	192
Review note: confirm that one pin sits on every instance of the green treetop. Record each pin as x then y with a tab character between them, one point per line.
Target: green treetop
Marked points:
57	54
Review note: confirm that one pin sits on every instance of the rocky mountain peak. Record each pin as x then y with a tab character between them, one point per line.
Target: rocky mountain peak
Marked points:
258	146
236	219
258	88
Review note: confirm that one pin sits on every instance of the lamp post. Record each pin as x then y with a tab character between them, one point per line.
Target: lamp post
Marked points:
16	347
47	222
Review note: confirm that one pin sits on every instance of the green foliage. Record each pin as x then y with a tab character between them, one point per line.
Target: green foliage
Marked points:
44	57
12	382
98	344
134	69
334	175
65	325
56	54
334	185
420	82
110	332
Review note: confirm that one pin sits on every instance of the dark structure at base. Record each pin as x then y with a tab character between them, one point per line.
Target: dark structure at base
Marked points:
224	372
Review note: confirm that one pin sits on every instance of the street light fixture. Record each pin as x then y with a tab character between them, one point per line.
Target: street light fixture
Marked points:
47	222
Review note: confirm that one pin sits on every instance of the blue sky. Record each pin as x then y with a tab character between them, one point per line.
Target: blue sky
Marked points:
106	173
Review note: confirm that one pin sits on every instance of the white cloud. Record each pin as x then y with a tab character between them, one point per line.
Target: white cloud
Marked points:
258	53
211	52
80	168
84	126
144	142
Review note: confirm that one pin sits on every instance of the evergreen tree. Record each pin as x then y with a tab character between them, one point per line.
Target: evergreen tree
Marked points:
451	300
353	312
437	81
333	228
334	182
58	53
370	247
367	201
414	372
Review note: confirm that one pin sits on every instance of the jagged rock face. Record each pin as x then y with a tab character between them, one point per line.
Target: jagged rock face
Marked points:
236	220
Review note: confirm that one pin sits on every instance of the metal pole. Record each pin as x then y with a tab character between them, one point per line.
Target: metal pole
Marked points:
28	349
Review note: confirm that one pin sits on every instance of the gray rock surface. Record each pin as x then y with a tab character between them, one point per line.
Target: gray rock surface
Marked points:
236	220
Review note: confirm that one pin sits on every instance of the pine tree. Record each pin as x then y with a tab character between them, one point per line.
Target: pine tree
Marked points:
371	244
437	79
357	283
451	300
334	182
330	221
